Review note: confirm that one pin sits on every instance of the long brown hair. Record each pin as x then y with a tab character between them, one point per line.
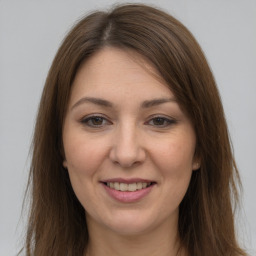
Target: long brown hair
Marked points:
57	224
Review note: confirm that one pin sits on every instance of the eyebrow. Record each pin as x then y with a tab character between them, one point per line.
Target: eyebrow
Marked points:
96	101
156	102
108	104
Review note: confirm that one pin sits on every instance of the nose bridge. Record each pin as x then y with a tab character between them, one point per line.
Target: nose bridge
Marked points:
127	149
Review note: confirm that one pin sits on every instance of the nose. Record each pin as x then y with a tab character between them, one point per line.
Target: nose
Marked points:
127	147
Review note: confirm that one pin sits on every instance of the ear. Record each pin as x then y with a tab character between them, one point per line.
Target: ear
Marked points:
196	164
197	160
64	163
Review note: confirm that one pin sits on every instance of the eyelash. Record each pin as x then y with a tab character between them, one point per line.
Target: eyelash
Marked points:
88	121
167	121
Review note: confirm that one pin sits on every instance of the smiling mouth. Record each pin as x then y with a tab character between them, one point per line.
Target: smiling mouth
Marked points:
131	187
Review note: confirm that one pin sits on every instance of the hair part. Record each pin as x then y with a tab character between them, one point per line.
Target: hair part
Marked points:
57	224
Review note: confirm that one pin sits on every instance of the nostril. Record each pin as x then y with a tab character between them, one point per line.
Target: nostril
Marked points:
127	152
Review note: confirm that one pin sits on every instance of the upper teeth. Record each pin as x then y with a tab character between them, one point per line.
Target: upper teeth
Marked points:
128	187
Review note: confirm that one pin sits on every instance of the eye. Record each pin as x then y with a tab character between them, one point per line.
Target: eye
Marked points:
161	122
95	121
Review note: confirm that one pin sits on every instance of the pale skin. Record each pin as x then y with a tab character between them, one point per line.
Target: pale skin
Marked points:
124	123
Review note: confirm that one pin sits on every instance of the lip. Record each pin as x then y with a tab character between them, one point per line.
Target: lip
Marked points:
127	196
127	181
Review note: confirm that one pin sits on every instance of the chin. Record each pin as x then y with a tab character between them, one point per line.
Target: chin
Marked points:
129	224
130	230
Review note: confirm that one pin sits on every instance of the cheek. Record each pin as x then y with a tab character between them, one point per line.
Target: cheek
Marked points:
176	169
83	156
175	156
83	159
174	161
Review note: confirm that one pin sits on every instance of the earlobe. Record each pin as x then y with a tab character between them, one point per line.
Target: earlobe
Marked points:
196	160
196	165
65	164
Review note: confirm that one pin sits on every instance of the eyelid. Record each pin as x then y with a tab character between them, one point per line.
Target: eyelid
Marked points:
167	119
84	120
170	120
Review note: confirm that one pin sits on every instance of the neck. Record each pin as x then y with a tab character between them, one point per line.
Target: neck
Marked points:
162	241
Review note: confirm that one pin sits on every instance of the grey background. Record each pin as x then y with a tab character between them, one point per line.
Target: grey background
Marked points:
30	33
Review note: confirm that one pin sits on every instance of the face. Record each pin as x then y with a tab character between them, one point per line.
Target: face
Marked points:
129	148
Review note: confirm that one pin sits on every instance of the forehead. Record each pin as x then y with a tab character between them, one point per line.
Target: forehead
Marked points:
113	72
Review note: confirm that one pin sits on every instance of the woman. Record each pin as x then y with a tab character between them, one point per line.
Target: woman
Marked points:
131	153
